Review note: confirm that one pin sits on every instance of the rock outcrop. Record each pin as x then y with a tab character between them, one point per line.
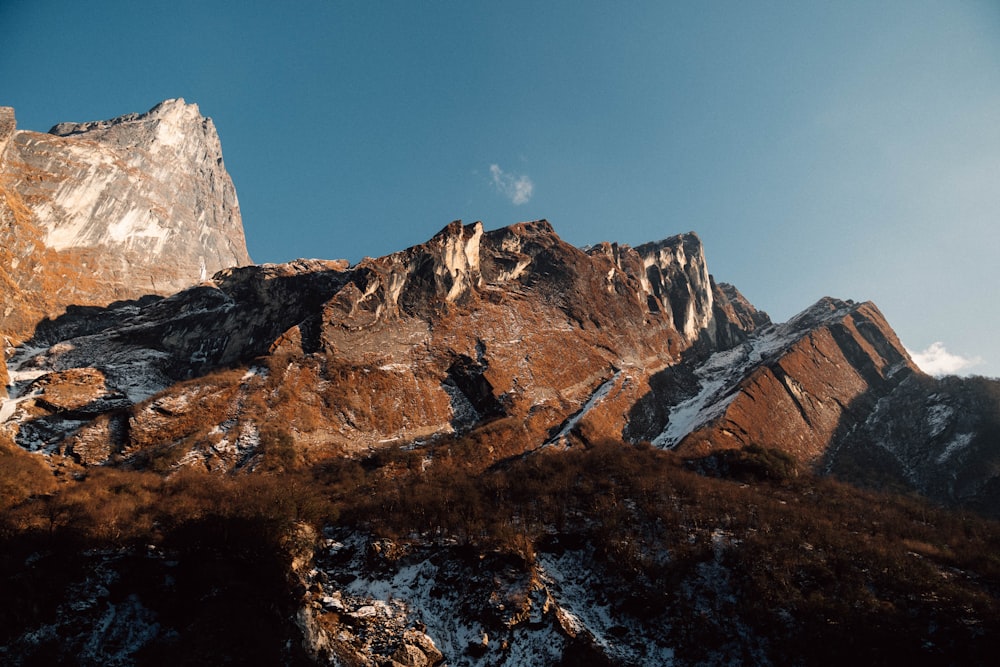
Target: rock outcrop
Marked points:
935	436
106	211
800	383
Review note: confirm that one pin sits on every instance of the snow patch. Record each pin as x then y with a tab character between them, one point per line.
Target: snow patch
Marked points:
255	371
139	378
9	405
938	417
464	413
15	364
595	399
19	379
958	443
395	368
724	370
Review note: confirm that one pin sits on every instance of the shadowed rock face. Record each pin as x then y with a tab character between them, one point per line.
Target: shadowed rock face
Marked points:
936	436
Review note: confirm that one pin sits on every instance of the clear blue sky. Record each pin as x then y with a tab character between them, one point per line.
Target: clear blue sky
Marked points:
849	149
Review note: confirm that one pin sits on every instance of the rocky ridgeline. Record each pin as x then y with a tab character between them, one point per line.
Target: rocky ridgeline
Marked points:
467	328
470	330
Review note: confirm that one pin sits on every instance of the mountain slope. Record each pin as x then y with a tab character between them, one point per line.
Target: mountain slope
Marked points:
513	331
465	329
806	372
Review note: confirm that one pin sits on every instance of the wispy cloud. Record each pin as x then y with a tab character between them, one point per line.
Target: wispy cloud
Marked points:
518	188
936	360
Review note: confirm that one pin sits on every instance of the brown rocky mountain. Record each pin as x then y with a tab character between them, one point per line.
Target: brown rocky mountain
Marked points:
478	412
467	329
511	332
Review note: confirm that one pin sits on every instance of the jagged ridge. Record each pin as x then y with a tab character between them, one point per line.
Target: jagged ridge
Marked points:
466	328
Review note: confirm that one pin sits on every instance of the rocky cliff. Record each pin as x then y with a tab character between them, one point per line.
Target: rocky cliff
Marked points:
93	213
790	386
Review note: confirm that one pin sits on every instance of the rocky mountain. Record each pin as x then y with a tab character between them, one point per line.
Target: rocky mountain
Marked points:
489	448
469	329
99	212
465	329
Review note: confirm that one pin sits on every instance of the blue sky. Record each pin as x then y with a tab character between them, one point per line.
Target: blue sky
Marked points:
849	149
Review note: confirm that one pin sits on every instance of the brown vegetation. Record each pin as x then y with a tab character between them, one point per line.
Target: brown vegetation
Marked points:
822	571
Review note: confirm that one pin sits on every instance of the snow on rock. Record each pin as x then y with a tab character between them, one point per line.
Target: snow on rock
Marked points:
92	625
475	608
938	418
957	444
717	380
718	377
595	399
464	413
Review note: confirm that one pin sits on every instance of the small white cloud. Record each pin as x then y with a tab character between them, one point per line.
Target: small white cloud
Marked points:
936	360
518	188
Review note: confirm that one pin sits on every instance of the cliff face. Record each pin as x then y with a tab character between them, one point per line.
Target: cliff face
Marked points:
111	210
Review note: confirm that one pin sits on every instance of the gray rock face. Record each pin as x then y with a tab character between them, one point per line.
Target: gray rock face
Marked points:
149	189
937	436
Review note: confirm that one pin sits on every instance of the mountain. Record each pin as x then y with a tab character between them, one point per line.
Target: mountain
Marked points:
99	212
475	329
466	329
489	448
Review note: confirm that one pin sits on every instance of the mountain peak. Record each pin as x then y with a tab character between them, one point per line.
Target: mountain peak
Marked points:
175	113
113	209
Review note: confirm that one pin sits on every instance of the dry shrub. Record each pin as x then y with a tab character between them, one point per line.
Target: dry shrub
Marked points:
22	475
107	506
277	451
